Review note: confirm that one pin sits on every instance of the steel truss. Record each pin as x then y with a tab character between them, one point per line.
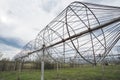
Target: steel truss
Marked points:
82	30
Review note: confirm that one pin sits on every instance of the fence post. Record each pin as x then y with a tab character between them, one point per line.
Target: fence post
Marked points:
15	65
42	64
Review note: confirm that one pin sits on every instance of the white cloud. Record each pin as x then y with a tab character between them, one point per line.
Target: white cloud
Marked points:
48	5
23	19
8	51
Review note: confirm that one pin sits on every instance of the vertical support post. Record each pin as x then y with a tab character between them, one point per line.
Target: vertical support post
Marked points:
57	68
20	66
103	70
64	54
42	64
15	65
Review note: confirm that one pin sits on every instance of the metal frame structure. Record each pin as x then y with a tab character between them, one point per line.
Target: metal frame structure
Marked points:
82	30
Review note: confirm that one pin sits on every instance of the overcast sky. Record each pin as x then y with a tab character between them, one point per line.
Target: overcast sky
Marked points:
21	20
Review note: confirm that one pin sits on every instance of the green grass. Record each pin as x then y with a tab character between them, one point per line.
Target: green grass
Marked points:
81	73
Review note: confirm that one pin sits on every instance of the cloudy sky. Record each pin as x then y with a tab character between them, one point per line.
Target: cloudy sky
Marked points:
21	20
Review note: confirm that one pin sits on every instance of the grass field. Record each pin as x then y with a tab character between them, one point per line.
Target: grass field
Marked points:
81	73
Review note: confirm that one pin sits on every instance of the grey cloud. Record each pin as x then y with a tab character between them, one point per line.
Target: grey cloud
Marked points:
48	5
11	42
105	2
94	1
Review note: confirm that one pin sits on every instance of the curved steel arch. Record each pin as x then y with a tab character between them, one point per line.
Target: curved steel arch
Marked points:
82	30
